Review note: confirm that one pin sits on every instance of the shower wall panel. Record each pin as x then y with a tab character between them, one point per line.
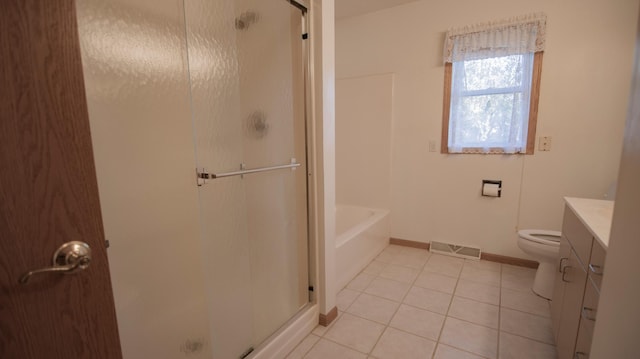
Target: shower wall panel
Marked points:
364	123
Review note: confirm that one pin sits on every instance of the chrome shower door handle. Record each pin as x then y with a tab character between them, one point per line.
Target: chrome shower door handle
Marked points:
71	257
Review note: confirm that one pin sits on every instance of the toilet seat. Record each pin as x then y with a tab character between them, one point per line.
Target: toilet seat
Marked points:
534	236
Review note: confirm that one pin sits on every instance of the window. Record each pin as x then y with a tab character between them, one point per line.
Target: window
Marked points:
492	83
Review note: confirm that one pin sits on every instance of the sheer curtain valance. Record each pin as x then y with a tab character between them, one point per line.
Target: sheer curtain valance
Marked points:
519	35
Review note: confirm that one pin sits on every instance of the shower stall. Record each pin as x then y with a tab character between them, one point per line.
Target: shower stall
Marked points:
198	112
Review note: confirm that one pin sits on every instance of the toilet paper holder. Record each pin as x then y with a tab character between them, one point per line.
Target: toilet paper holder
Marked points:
491	182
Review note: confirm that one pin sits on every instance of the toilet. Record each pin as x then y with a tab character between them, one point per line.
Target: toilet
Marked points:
543	246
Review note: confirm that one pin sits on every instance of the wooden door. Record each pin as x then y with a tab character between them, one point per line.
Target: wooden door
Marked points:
48	191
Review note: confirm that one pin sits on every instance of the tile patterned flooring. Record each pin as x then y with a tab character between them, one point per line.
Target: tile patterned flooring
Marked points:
409	303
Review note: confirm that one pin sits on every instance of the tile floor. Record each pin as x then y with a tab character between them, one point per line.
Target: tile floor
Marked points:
409	303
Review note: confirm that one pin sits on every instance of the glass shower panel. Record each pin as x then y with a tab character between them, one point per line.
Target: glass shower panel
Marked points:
248	102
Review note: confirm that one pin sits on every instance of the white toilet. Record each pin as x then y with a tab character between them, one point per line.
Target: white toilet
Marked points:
544	246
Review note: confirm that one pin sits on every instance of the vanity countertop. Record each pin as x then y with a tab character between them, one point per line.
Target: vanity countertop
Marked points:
595	214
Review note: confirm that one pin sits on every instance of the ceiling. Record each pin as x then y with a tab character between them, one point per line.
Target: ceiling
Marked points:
346	8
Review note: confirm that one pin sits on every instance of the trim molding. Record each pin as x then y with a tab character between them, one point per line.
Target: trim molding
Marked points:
326	319
521	262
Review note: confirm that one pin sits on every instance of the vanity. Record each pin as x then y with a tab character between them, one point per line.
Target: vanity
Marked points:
580	266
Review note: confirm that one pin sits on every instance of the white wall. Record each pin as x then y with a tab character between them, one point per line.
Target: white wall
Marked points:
618	322
585	81
364	110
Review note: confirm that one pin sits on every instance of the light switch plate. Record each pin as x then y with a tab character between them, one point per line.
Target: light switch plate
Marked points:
433	146
544	143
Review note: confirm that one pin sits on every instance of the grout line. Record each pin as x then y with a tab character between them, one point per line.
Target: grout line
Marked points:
462	350
402	299
522	311
446	315
346	346
363	292
311	347
523	337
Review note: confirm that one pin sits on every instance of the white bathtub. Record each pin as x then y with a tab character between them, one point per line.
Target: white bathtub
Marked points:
361	234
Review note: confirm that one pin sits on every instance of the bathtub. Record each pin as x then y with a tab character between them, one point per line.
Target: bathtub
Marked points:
361	234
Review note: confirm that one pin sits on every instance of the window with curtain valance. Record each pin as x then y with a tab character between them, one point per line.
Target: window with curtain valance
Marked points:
492	84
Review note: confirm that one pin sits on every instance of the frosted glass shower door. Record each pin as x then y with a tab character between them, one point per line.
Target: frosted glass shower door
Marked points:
246	64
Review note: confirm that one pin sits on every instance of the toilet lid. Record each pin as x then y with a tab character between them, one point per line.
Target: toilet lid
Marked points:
542	236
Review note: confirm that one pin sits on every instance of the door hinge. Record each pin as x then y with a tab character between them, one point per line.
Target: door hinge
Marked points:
305	36
107	244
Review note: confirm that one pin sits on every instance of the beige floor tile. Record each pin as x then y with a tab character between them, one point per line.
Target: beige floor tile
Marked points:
525	302
519	279
515	347
417	251
446	265
303	347
387	288
361	281
396	344
447	352
345	297
375	267
474	312
320	330
508	268
465	322
480	276
414	260
394	249
526	325
399	273
483	264
389	253
470	337
428	299
418	321
357	333
478	291
325	349
520	284
436	281
410	260
373	308
385	257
